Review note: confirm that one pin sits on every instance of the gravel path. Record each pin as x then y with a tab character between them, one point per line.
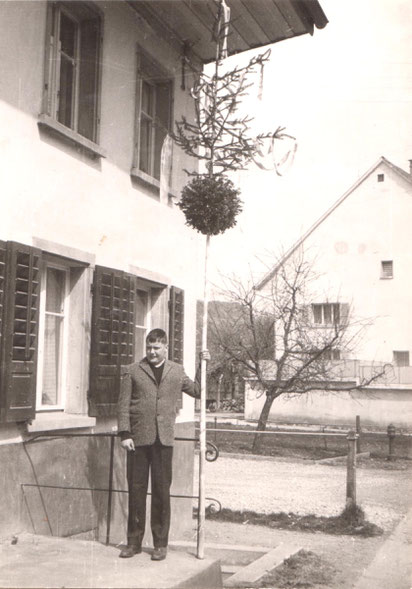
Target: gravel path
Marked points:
271	485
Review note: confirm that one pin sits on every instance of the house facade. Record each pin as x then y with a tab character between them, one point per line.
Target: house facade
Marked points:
93	250
361	252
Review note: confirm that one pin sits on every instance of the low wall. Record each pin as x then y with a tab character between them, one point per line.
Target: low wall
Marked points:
377	407
81	462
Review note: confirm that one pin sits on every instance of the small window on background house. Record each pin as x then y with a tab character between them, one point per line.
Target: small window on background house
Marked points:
53	332
326	314
387	269
333	354
401	358
381	177
72	66
154	115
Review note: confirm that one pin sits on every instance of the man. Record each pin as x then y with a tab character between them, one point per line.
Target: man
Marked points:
150	396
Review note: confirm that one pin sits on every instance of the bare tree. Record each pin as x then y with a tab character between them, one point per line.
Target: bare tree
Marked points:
275	343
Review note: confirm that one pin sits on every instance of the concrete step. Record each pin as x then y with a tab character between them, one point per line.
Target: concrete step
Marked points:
256	569
51	562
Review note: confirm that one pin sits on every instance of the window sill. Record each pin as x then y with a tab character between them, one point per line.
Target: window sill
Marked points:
53	126
58	421
151	182
386	277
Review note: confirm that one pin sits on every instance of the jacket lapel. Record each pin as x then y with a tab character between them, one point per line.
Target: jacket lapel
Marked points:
166	370
144	365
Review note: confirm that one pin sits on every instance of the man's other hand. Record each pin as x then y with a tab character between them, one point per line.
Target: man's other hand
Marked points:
205	355
128	445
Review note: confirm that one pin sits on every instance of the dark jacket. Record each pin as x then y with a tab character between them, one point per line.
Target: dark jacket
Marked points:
144	408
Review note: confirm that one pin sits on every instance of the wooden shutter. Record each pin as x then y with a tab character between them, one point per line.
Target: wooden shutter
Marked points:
176	324
20	332
112	337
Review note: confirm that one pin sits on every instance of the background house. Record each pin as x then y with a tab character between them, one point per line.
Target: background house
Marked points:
93	251
361	250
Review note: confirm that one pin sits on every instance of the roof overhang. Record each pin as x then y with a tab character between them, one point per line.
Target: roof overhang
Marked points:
254	23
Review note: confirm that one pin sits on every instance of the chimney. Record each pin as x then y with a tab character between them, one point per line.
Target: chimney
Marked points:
410	167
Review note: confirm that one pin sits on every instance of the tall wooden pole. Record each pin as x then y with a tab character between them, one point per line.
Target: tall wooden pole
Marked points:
201	518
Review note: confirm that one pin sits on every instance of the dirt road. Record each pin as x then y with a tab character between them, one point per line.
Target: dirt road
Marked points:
302	487
274	485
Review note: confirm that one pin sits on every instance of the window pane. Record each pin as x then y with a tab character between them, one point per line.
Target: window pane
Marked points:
66	92
51	362
401	358
55	290
317	313
163	105
88	78
144	160
160	134
147	98
139	343
327	313
141	307
336	314
67	35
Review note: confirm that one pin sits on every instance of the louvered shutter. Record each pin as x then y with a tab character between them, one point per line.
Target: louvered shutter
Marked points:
20	332
176	324
112	337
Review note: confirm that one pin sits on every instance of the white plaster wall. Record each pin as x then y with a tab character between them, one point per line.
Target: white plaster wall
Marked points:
376	407
49	190
371	225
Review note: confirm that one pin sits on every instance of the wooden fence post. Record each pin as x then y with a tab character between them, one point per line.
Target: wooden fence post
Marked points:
351	470
358	431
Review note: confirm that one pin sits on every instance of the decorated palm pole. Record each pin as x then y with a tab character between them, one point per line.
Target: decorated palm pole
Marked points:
221	139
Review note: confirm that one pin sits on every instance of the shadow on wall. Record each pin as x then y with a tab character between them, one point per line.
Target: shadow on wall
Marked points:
98	476
57	476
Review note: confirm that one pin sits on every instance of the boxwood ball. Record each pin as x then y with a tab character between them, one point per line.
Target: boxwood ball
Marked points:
210	204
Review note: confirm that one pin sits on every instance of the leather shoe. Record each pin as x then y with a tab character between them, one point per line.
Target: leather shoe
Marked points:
129	551
159	553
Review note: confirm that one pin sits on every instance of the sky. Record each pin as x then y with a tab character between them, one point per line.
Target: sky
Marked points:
345	94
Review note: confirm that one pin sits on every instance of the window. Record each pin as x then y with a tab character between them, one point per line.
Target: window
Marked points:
125	307
387	269
71	85
142	322
327	314
53	331
153	117
331	354
381	177
401	358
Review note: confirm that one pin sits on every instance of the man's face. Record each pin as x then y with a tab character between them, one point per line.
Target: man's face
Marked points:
156	352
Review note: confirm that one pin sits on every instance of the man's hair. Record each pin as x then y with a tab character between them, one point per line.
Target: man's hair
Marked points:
156	335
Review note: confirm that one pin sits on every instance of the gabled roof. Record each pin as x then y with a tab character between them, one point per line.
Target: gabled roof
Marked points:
254	23
382	160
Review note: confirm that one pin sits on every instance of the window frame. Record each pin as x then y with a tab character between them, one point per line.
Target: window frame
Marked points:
150	72
63	359
48	117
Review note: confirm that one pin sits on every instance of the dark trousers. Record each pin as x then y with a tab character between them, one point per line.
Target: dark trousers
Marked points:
156	459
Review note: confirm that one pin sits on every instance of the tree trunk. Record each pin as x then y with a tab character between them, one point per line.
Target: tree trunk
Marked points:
261	426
